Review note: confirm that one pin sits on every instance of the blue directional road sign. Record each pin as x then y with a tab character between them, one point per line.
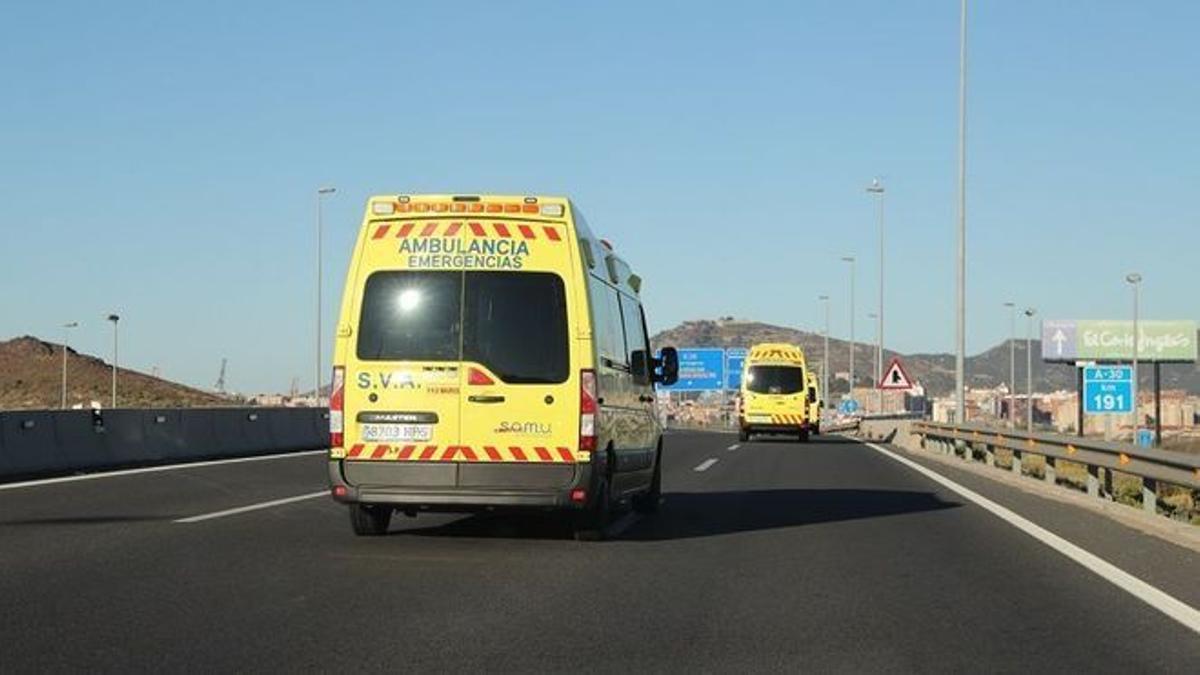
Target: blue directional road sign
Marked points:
1107	390
700	370
735	360
848	406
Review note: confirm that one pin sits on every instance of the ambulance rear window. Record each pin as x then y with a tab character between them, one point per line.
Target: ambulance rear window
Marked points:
410	316
515	323
775	379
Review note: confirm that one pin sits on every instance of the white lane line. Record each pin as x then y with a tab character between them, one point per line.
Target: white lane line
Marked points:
1176	609
155	469
253	507
703	466
733	447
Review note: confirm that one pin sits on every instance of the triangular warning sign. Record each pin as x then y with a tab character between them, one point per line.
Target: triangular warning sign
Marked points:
895	377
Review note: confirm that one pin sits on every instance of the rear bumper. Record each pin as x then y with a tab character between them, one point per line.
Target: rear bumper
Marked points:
460	487
770	428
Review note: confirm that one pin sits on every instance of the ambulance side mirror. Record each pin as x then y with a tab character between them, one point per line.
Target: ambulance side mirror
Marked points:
667	366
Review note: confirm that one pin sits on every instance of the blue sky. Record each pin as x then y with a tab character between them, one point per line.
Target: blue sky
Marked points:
160	159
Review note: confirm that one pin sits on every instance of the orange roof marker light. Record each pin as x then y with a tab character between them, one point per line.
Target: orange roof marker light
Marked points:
467	204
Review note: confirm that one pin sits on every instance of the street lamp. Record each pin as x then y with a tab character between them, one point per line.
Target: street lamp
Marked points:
1029	371
876	188
960	357
66	334
1134	279
875	368
825	352
1012	363
114	319
850	259
321	192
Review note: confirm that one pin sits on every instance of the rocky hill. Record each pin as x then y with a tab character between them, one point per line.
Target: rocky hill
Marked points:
934	371
31	378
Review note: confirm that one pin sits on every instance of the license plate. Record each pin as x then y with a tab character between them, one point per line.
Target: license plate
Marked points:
397	432
758	419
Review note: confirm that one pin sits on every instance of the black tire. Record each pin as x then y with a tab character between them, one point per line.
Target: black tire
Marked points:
647	503
370	521
804	435
592	524
743	435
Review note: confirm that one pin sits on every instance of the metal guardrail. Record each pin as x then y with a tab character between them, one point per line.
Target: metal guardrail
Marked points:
1151	465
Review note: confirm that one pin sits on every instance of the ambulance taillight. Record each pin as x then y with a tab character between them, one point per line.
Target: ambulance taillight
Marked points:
588	407
337	405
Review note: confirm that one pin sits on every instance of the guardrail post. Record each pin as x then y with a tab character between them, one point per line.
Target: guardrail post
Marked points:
1093	481
989	454
1108	486
1016	462
1150	495
1050	473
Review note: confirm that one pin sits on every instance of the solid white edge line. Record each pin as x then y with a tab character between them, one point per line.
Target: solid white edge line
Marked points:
252	507
154	469
733	447
1176	609
703	466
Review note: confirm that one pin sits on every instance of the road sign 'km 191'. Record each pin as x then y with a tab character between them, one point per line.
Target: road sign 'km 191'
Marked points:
1107	390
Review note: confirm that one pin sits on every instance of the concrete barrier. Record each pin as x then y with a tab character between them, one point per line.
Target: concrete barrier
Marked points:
40	442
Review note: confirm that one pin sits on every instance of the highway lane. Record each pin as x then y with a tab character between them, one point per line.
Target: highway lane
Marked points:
776	555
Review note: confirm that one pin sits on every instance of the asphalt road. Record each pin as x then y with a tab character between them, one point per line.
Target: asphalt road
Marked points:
775	557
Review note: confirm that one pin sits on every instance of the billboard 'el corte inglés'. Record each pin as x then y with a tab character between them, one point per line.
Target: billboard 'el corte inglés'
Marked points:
1164	341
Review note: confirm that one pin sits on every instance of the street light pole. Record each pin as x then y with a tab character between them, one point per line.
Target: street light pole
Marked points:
850	259
876	188
825	353
1029	371
321	192
1012	364
114	319
960	358
875	366
66	337
1135	280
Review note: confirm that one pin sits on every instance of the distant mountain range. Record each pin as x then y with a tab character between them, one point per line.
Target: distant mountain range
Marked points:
935	371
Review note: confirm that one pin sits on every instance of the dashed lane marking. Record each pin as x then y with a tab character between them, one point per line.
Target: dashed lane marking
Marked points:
252	507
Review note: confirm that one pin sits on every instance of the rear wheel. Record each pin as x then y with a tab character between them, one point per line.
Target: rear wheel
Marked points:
648	503
804	435
593	523
743	435
369	520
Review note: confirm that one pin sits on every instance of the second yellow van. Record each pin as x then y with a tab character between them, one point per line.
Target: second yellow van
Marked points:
774	394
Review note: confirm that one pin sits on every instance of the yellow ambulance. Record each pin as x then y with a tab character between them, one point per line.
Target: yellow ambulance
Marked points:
774	396
491	352
814	401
